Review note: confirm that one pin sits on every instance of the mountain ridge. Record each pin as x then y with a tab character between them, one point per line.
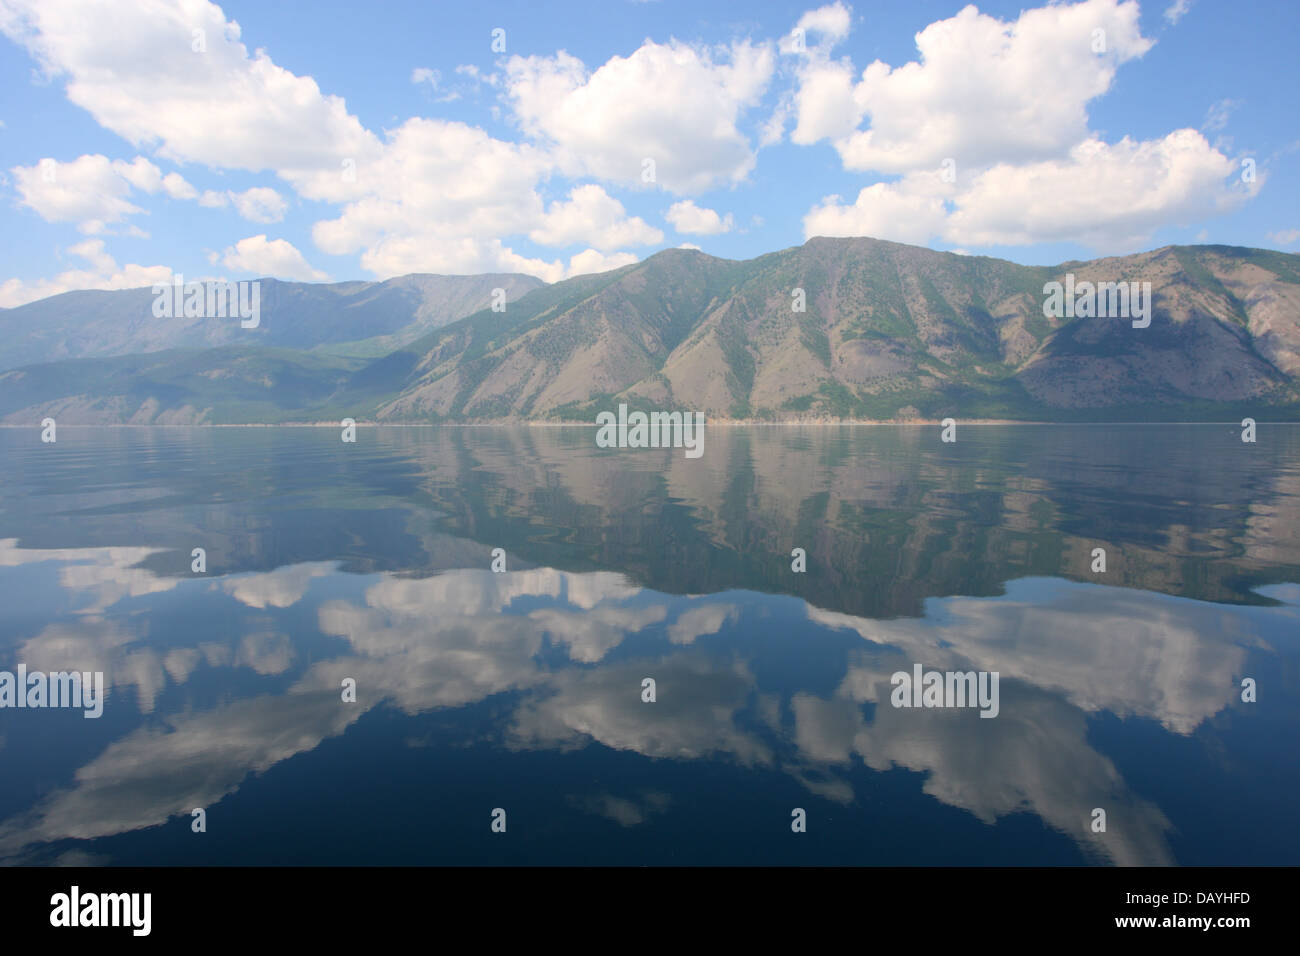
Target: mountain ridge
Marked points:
353	317
888	332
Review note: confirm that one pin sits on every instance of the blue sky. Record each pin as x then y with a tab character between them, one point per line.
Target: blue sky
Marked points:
336	141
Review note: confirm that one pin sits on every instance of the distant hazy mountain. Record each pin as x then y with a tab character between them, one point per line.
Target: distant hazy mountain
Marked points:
889	331
369	318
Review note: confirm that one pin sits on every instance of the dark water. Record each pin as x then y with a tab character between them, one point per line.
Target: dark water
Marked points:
522	690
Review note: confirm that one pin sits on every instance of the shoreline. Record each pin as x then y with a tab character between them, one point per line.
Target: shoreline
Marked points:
718	423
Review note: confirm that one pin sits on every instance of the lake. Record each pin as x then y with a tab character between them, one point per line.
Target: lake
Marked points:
1161	691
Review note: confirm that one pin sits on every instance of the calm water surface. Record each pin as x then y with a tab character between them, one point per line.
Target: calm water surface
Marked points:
523	690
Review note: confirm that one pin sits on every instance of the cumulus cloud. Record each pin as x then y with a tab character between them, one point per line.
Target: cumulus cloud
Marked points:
1111	197
592	215
149	83
443	193
274	257
911	210
260	204
1103	195
669	103
102	272
826	26
988	133
982	90
426	196
446	187
585	263
433	196
1005	100
92	190
686	217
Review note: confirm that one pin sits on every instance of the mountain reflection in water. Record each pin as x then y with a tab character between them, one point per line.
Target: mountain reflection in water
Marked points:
522	689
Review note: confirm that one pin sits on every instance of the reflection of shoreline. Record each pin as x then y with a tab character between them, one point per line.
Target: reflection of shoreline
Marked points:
443	642
879	503
507	423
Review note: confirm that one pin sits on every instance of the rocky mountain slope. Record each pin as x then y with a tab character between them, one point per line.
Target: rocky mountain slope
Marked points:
888	331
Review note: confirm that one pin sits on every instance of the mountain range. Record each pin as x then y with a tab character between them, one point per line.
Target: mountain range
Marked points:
886	332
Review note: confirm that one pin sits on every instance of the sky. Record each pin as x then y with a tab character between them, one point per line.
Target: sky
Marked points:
324	141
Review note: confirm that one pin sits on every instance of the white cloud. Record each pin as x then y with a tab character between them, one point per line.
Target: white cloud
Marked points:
909	211
1006	100
90	190
275	257
825	106
430	195
1177	10
982	91
1111	197
592	261
443	193
103	273
773	129
592	215
686	217
93	192
829	25
423	74
670	103
1003	107
1284	237
1216	117
1106	196
223	107
148	178
260	204
438	199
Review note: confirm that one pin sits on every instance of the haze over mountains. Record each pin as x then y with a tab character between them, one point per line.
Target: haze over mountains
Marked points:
369	317
890	332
